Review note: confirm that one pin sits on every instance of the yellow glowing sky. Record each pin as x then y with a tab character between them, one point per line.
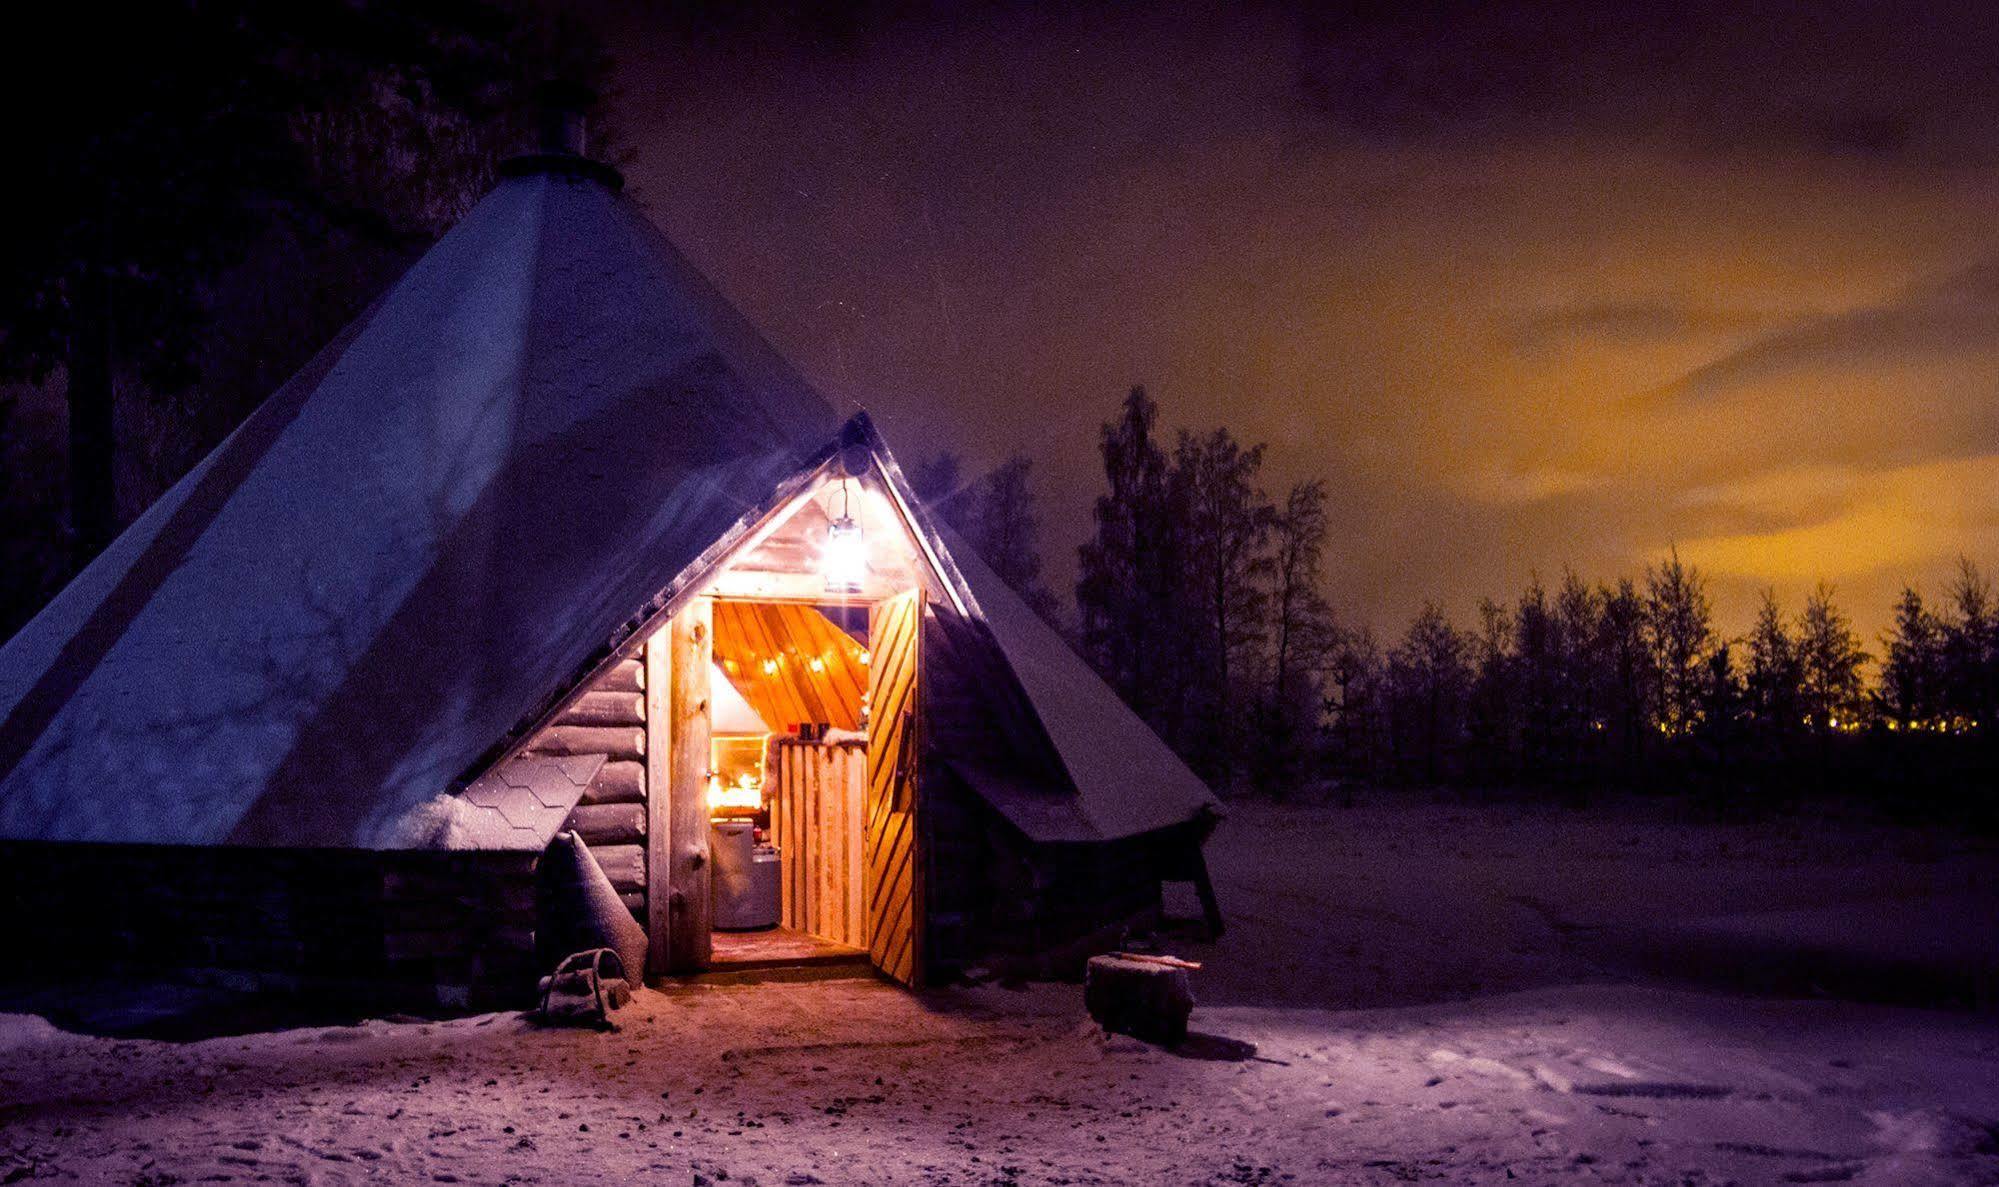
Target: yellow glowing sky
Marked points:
1681	304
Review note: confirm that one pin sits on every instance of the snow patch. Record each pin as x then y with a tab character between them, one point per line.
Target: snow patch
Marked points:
442	822
21	1031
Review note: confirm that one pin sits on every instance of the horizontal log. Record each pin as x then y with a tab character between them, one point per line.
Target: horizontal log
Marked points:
617	783
624	865
635	902
627	675
604	708
609	824
422	945
612	742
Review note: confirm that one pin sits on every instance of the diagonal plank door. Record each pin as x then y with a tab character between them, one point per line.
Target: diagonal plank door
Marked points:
894	896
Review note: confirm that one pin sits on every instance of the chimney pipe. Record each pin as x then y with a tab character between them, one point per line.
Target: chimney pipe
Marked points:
559	108
563	104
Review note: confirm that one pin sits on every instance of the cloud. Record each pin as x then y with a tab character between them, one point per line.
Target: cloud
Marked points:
1532	285
1533	486
1954	321
1628	321
1893	85
1844	526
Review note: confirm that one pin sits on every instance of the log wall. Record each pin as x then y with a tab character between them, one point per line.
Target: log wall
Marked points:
608	717
1028	909
383	930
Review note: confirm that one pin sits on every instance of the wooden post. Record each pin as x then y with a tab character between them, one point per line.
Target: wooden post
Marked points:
691	642
658	800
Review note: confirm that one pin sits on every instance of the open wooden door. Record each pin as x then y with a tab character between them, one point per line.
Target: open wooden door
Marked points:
894	890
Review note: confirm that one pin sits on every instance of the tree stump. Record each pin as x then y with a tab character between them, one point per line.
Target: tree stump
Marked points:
1144	997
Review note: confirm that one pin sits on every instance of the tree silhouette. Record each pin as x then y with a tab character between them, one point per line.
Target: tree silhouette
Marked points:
1773	675
996	515
1428	678
1129	569
1225	523
1830	660
1971	653
1679	630
1304	634
1912	673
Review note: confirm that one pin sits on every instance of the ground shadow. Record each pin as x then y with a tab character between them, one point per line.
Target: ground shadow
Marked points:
171	1011
1212	1047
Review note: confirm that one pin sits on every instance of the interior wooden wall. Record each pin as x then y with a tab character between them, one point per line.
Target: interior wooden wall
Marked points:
749	633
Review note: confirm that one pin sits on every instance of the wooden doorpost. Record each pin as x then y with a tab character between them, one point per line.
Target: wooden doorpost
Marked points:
681	885
659	800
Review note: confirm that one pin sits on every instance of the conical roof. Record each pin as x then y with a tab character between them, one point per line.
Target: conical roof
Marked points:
432	526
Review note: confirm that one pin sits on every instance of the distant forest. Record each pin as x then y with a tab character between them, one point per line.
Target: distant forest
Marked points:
235	191
1199	598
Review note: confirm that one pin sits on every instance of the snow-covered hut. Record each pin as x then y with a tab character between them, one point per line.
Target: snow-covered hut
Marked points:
466	581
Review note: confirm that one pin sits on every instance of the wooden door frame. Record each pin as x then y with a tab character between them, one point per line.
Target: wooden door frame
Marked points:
679	907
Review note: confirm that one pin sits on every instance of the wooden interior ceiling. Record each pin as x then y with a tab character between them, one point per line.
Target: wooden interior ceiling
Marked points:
791	663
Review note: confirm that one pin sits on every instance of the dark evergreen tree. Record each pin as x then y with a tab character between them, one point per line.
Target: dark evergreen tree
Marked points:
1583	676
1304	635
1971	654
1912	674
1009	534
1492	707
1630	678
996	515
1540	652
1130	571
1723	716
1679	630
939	482
1429	677
1830	664
1225	525
1356	703
1772	677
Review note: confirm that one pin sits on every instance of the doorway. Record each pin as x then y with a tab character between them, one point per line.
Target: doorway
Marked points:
808	733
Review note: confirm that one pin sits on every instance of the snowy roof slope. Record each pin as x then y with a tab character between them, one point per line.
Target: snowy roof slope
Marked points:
439	521
432	526
1126	780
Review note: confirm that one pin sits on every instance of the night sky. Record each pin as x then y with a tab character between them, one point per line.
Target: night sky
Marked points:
1531	286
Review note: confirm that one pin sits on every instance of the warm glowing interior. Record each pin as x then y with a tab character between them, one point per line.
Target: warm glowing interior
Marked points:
790	691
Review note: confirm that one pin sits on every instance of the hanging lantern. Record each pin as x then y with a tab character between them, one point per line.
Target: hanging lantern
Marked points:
844	560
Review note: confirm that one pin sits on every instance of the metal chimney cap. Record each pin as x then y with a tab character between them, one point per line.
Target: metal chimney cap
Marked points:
561	107
564	109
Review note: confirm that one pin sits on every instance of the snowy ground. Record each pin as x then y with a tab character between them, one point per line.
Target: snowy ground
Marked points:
1418	1013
